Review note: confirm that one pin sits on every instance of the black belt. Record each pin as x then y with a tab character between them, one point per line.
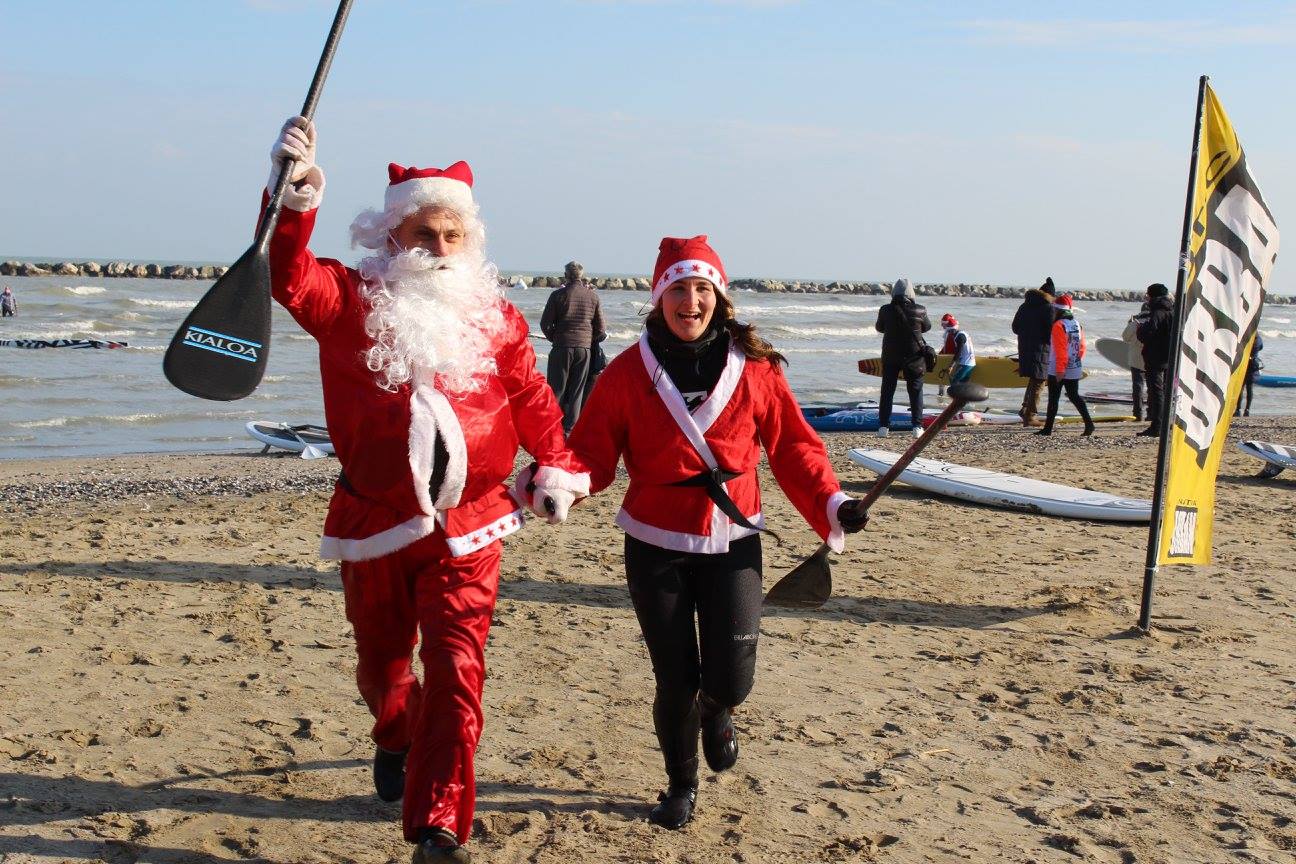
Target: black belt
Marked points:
713	481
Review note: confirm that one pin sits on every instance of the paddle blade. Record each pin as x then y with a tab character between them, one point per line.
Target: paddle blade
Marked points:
310	451
807	586
966	391
220	351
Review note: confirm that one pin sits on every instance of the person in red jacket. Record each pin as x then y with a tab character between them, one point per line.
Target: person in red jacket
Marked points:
430	385
1066	355
689	408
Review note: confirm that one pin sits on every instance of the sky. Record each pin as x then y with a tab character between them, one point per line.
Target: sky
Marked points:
996	142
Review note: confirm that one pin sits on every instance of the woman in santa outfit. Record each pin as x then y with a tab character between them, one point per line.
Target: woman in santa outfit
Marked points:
689	409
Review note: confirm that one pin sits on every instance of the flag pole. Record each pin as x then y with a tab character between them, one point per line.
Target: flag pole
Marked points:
1172	375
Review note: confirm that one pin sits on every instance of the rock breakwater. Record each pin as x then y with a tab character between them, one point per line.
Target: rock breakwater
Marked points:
118	269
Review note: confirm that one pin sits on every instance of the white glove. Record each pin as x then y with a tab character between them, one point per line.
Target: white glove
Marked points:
296	141
549	503
552	504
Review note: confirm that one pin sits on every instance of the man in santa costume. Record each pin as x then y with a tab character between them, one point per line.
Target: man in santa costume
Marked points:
689	409
430	385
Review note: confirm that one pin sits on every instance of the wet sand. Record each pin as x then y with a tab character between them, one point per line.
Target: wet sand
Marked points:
176	679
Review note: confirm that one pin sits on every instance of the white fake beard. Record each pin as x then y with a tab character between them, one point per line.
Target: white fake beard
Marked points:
431	316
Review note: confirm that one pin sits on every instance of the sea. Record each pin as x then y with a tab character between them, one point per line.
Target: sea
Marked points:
61	402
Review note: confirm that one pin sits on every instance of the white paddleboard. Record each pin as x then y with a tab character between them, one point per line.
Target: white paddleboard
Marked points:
1275	456
1007	490
274	435
1115	351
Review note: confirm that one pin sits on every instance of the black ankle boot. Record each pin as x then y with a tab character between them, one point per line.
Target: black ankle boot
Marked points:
676	807
437	846
389	774
1089	428
719	740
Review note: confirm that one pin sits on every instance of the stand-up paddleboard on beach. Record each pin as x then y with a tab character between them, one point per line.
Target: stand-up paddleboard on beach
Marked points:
1110	398
1009	491
866	420
60	343
294	441
1276	457
1114	351
988	372
1276	380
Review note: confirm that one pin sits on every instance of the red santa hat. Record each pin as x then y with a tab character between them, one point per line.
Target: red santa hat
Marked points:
1063	302
411	189
684	258
948	320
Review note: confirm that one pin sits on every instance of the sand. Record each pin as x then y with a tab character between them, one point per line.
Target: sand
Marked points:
176	679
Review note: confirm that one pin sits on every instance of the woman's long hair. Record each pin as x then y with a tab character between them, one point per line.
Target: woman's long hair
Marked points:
743	335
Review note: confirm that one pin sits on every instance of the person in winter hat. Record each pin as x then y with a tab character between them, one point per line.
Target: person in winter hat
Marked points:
687	408
429	385
1065	359
1033	324
902	323
958	342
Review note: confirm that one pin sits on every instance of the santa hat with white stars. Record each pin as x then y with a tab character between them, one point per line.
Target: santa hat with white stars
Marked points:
680	258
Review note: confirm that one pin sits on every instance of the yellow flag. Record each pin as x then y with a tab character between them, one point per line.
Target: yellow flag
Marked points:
1232	248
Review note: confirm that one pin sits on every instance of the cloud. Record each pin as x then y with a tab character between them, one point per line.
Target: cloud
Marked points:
1146	35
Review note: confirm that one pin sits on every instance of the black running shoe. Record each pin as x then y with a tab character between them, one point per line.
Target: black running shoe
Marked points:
389	774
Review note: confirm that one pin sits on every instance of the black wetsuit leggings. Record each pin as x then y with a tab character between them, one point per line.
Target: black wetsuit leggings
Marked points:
717	654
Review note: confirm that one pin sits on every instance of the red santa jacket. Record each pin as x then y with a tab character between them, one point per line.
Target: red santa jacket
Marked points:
385	440
635	412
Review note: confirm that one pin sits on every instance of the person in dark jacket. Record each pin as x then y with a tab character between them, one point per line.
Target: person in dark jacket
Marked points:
902	323
573	322
1254	365
1033	323
1155	334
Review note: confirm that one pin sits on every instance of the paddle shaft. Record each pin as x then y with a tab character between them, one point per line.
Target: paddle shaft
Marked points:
941	421
271	216
908	456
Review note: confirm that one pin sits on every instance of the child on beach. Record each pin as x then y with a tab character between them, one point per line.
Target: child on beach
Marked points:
958	343
688	408
1067	350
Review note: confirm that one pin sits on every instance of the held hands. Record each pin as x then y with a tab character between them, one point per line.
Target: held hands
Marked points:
548	502
852	515
296	141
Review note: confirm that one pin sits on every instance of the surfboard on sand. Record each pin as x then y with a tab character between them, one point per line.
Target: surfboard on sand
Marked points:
988	372
1275	456
274	435
1008	491
1114	350
866	420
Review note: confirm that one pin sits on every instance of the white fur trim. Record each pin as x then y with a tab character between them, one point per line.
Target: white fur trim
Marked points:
670	395
305	198
452	436
688	269
836	536
486	534
550	477
405	198
377	545
680	541
422	445
711	409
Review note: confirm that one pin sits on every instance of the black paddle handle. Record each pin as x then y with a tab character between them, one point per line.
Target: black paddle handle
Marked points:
271	215
915	448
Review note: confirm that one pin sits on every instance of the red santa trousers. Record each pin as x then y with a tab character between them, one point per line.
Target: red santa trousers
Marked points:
450	600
